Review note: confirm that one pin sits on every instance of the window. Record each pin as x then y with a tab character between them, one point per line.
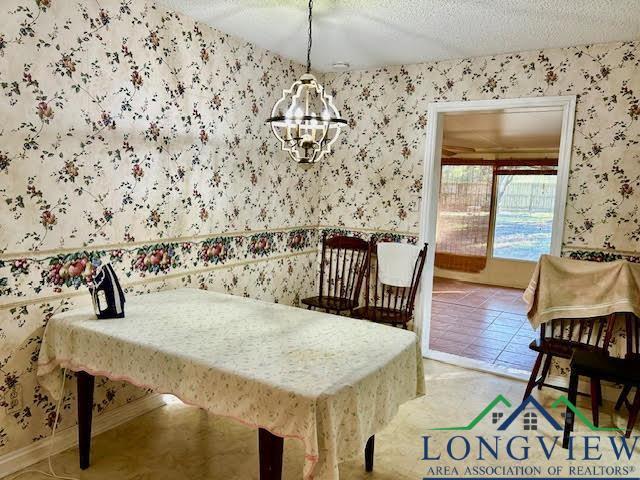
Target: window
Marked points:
530	421
496	416
524	216
494	208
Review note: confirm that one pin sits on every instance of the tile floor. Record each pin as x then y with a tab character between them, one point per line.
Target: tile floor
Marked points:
182	442
481	322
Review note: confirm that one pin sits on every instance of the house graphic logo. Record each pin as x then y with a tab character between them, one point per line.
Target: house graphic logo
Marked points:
531	411
527	441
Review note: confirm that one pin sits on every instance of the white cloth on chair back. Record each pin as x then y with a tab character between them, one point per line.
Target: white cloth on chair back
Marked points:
396	262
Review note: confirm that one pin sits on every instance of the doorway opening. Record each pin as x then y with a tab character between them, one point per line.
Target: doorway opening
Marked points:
496	173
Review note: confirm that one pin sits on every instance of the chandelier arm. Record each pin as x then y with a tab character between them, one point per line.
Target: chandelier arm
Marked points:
310	40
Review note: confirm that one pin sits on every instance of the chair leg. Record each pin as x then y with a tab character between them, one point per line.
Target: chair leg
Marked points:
600	401
623	396
545	370
534	376
633	413
595	400
569	415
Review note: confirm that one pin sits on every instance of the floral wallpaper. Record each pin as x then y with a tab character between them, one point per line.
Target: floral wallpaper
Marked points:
118	110
374	178
135	136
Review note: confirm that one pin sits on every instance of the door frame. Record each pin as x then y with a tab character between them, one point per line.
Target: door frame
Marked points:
430	194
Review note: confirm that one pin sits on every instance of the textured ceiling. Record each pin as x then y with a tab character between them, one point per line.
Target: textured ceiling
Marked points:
515	129
367	33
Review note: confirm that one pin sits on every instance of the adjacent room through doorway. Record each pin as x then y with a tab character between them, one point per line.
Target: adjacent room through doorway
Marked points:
495	216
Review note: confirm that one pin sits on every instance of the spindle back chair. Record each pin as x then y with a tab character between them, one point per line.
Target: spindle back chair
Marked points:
632	329
386	303
560	337
343	263
601	366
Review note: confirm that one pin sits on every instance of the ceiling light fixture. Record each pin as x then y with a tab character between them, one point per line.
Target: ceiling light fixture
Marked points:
304	120
341	66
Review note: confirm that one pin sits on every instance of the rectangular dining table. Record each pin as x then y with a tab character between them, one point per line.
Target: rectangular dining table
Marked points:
330	382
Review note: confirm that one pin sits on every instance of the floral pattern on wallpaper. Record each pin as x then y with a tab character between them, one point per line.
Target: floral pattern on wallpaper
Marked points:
126	123
598	256
135	136
377	183
126	127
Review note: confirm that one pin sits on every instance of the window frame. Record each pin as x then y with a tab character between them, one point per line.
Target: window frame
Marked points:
545	166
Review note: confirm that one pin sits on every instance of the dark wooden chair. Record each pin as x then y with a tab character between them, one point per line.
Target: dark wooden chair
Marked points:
343	264
385	303
625	371
561	338
632	323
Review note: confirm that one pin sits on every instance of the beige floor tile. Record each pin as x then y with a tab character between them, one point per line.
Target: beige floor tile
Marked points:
183	442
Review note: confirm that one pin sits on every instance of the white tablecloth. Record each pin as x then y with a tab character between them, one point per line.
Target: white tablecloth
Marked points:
328	381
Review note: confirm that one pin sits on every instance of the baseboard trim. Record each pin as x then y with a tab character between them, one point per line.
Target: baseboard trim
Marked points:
68	438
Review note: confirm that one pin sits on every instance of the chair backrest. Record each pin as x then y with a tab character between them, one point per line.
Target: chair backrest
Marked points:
343	263
593	332
396	299
633	334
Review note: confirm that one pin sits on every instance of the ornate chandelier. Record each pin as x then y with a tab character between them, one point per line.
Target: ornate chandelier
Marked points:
305	120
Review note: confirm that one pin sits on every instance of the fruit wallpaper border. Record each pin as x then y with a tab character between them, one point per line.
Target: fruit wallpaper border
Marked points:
576	253
31	277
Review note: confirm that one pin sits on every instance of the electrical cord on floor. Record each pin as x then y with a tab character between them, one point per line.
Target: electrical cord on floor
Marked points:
51	473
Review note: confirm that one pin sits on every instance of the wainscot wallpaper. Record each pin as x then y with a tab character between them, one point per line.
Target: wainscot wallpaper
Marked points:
377	182
134	135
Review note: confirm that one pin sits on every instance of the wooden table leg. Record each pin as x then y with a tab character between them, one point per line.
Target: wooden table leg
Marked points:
368	454
569	415
270	452
85	410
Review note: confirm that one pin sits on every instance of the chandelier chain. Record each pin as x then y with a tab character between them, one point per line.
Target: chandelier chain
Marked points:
310	41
